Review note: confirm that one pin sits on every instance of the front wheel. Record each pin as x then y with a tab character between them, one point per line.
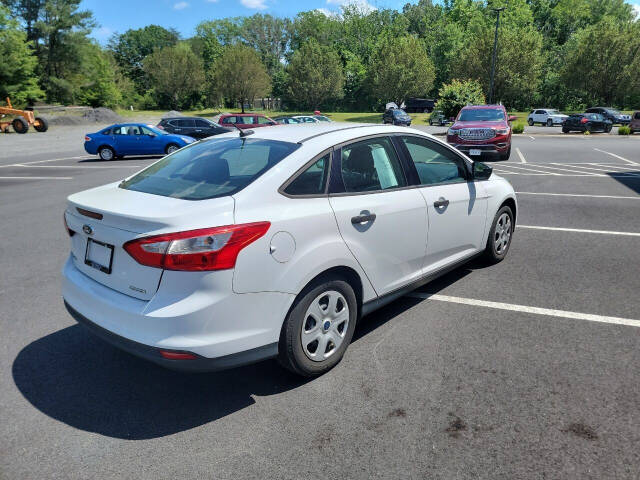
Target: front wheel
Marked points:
608	128
20	125
171	148
506	155
549	122
41	125
565	130
319	327
500	236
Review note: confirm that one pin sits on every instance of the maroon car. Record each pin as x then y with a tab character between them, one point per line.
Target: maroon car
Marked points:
246	120
482	131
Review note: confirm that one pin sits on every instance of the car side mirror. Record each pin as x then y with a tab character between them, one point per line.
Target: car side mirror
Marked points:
152	135
481	171
512	118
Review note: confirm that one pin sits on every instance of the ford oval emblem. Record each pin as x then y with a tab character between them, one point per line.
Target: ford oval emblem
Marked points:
87	229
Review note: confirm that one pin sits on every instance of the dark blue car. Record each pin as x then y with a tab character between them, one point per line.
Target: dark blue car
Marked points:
123	139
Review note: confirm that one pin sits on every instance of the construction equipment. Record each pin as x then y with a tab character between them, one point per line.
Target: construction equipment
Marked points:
22	120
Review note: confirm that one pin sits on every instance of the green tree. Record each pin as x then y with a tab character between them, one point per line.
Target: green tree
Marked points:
269	36
176	74
601	61
133	46
400	68
455	95
17	62
239	75
315	76
99	87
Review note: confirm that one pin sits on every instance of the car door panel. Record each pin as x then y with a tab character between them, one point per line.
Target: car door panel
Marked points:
456	206
383	224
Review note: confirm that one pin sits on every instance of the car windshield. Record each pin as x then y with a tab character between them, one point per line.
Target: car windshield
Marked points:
211	169
614	112
399	113
481	115
155	130
322	118
553	112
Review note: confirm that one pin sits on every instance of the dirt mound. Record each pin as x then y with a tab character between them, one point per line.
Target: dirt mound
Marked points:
88	116
172	113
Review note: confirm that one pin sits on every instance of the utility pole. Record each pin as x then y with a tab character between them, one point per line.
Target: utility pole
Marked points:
495	52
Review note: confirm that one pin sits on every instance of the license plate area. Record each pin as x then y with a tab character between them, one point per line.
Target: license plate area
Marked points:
99	255
475	152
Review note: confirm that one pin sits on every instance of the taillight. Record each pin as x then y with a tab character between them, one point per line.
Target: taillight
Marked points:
214	248
584	120
87	138
66	226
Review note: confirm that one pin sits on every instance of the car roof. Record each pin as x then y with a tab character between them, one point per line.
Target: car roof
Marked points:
483	107
243	115
299	133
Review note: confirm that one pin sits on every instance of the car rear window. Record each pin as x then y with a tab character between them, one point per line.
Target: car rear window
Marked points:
481	115
210	169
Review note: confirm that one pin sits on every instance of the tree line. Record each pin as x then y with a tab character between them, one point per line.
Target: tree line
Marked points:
566	54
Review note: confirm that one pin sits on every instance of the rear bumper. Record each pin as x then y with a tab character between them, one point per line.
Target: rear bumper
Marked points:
194	312
199	364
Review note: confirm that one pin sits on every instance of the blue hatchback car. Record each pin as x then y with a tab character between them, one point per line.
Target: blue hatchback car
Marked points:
123	139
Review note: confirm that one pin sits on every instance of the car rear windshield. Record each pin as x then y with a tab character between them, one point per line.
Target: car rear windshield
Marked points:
481	115
210	169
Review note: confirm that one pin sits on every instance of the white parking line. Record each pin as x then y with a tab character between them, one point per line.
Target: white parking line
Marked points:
616	156
578	195
44	161
36	178
75	166
580	230
527	309
610	171
522	160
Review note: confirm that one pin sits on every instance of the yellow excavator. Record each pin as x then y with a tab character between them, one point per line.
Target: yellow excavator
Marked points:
22	120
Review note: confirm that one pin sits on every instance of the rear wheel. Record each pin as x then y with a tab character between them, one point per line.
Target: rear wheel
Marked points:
41	125
319	327
500	236
565	130
608	128
172	147
106	153
20	125
587	128
530	122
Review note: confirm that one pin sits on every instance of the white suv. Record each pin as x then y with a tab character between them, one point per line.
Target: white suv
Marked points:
546	116
275	243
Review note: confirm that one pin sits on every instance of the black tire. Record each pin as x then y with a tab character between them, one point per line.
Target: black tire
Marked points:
505	156
106	153
608	128
565	130
172	147
20	125
587	128
491	254
291	353
549	122
530	122
41	125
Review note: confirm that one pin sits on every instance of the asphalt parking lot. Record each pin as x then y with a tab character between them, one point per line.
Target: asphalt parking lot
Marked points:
526	369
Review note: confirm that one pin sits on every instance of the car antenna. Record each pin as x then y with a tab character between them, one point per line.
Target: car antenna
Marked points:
243	133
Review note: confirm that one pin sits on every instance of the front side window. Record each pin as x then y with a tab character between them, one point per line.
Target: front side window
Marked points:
312	181
210	169
229	119
435	163
263	121
202	124
371	165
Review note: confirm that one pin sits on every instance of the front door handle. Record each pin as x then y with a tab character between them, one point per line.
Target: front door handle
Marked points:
441	202
358	219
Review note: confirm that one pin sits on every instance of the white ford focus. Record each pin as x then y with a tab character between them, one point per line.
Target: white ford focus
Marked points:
274	244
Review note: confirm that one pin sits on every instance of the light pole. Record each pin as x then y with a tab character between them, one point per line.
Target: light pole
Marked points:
495	52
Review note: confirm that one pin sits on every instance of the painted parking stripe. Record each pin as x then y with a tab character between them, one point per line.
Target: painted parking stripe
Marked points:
616	156
45	161
610	171
36	178
548	312
578	195
522	160
580	230
75	166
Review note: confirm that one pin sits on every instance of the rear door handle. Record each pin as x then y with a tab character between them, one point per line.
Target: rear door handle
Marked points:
363	218
441	202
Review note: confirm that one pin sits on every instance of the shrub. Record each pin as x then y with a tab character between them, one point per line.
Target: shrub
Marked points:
624	130
457	94
518	127
587	132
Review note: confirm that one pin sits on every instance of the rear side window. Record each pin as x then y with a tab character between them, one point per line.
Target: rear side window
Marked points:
312	181
229	120
435	164
183	123
263	120
637	116
202	124
106	132
371	165
210	169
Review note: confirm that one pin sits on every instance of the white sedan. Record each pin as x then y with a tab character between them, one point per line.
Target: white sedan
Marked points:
243	247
